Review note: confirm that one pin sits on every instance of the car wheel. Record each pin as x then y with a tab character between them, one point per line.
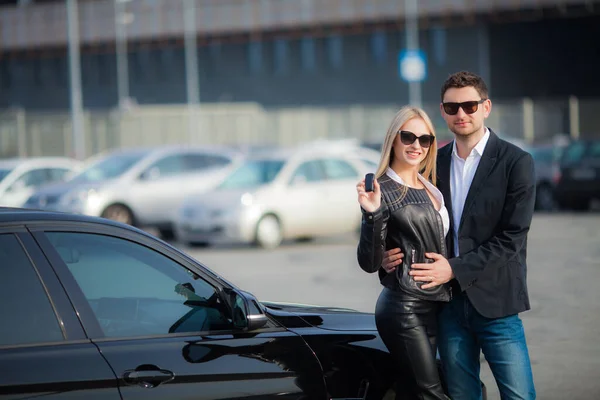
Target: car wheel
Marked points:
119	213
544	198
268	232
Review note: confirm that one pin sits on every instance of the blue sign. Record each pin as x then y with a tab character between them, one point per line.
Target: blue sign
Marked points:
412	65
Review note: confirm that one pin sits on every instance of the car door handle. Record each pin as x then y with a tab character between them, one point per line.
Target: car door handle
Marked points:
147	376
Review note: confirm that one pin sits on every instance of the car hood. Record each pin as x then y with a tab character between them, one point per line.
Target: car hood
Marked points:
330	318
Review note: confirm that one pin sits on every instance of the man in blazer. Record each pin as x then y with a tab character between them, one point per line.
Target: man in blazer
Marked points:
489	190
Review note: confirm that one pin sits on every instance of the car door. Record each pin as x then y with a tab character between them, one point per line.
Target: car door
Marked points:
43	349
158	187
301	203
161	323
342	177
592	162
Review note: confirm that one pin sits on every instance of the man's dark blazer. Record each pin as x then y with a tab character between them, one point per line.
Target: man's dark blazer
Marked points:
492	237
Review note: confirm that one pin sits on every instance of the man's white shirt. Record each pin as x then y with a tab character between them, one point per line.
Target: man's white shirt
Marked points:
462	173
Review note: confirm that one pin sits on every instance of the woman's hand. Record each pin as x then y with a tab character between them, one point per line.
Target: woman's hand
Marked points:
369	201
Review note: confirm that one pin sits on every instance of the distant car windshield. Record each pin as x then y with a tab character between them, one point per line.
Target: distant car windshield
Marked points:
4	172
110	167
252	174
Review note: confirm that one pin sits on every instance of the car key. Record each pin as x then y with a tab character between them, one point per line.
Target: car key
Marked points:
369	182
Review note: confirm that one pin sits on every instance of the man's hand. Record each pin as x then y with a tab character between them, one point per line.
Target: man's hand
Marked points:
391	259
436	273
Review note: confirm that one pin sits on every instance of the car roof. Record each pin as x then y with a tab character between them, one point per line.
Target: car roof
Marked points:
17	161
172	148
318	148
12	215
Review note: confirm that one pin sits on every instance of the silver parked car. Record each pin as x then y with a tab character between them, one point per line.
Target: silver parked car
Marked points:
142	186
282	194
21	177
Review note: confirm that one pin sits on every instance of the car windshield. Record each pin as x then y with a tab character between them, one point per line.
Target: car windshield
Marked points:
252	174
110	167
4	172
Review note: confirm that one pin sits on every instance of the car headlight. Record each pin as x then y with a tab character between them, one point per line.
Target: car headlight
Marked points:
247	199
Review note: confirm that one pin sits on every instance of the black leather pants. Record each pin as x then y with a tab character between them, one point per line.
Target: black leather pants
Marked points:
408	328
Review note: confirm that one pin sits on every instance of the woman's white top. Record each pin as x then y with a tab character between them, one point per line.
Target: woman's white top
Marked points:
433	190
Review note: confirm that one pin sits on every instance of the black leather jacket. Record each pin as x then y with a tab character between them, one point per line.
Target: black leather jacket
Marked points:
413	225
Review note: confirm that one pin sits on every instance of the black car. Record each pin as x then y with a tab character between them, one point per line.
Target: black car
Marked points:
93	309
579	178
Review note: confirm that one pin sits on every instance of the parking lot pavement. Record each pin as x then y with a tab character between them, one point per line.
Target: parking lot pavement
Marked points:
564	272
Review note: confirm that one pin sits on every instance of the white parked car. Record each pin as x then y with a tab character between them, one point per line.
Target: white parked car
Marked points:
21	177
281	194
141	186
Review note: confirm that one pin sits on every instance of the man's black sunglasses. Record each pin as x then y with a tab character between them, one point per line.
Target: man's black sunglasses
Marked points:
407	138
468	107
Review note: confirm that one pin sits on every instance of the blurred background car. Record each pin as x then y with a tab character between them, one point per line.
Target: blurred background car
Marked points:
20	177
546	159
140	186
281	194
578	182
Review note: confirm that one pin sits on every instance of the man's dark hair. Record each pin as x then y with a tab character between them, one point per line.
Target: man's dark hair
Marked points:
465	79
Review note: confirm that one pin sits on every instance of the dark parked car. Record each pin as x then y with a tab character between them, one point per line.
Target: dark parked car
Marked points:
546	159
579	177
94	309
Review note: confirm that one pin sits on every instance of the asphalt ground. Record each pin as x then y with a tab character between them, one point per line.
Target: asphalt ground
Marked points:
562	328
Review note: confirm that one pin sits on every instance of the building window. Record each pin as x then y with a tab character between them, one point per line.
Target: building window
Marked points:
335	47
309	62
255	56
280	53
439	45
379	47
5	74
168	59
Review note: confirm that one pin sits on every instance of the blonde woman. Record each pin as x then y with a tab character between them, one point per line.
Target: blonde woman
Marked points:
405	210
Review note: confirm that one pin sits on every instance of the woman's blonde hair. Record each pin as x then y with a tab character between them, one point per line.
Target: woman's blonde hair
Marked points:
405	114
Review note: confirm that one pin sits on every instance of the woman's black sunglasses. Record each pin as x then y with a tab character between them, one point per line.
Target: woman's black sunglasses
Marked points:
407	138
468	107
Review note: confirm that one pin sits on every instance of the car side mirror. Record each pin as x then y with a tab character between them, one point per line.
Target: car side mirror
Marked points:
247	314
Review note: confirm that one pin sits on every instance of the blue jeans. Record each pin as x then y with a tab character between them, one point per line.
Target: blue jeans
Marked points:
463	333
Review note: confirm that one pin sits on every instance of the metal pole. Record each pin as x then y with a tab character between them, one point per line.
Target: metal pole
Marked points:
75	80
412	43
574	127
191	67
121	51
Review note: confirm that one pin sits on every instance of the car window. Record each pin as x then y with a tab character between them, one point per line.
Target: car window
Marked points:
33	178
110	167
593	152
309	171
167	166
57	174
545	155
339	169
252	174
196	162
370	164
27	315
573	153
134	290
